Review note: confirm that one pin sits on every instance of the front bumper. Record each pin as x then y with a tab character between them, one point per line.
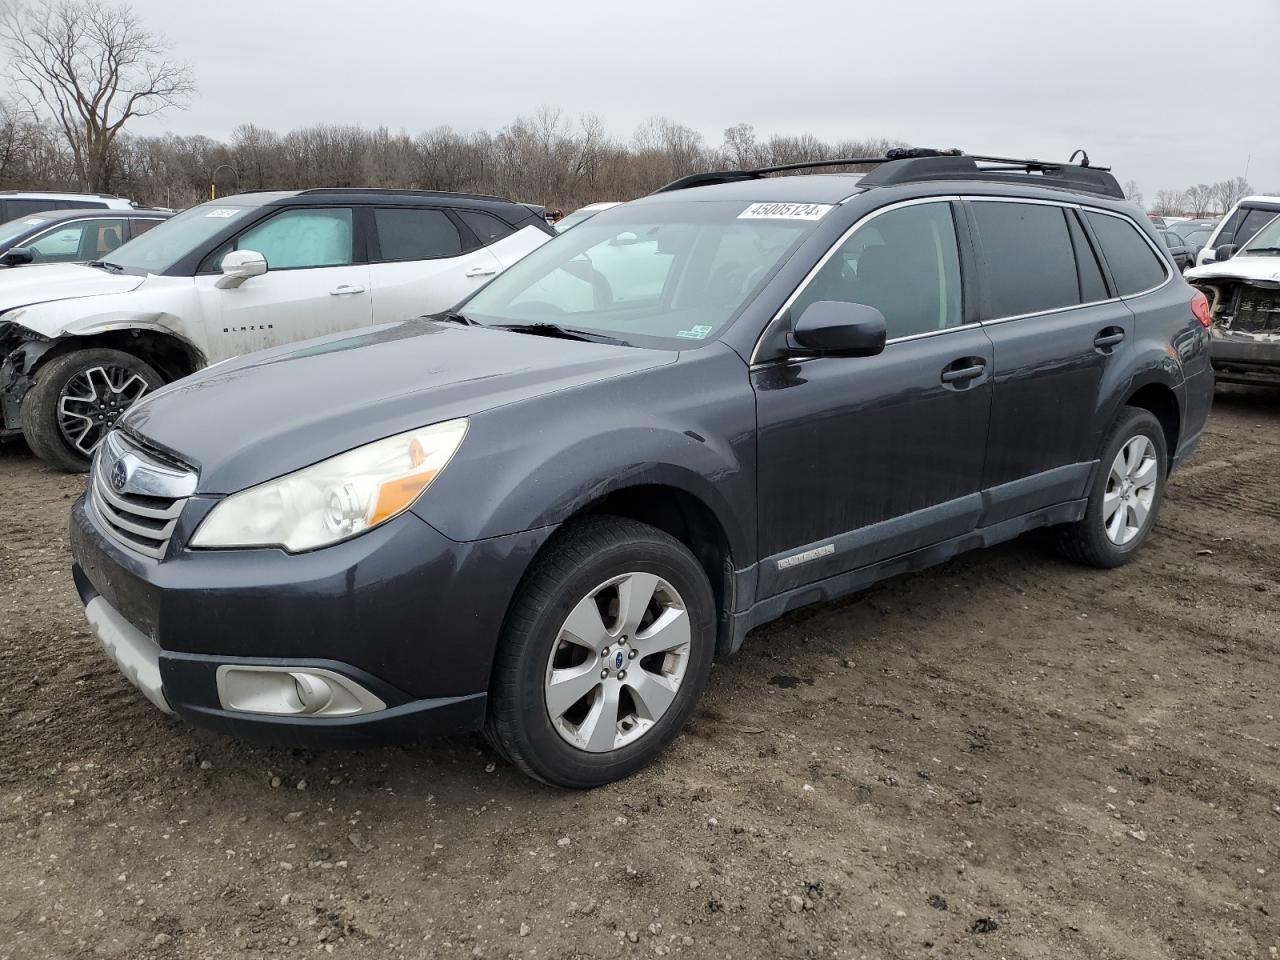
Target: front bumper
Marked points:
403	611
1240	357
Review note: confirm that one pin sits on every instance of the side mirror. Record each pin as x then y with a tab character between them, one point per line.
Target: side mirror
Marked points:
18	257
1224	251
833	328
238	266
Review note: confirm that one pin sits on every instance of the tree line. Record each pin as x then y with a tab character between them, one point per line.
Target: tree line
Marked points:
546	158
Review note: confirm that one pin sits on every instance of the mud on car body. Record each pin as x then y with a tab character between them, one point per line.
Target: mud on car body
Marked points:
544	512
80	343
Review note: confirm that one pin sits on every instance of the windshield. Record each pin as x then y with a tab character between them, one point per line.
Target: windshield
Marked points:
164	245
12	230
668	275
1267	240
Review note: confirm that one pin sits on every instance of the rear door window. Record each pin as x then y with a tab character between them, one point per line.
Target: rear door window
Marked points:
485	226
1135	266
406	233
1030	260
1092	287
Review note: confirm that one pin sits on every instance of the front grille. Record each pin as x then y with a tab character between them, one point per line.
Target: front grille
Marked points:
1257	311
139	506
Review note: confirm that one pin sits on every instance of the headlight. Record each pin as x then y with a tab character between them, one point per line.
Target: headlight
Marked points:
336	498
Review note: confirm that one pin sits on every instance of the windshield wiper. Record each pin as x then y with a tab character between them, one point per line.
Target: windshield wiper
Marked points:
107	265
451	316
555	330
1248	250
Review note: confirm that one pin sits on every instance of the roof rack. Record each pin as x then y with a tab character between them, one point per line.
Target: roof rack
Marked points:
915	164
393	191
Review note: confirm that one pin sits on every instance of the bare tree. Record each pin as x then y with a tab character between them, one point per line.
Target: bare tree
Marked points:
1169	203
1227	193
93	67
1199	199
1132	191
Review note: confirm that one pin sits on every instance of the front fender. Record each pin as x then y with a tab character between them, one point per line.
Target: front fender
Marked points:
689	425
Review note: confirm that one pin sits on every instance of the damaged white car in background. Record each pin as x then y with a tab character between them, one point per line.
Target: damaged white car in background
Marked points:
1244	294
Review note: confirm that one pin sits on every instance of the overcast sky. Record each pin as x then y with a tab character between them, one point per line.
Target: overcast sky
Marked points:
1168	92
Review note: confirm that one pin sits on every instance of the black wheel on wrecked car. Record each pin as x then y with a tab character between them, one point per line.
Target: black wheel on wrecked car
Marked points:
76	400
606	650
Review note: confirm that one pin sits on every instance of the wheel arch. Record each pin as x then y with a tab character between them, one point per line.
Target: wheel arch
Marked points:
1159	399
677	512
172	356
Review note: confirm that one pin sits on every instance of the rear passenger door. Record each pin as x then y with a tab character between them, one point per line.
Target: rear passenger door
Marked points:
422	262
1062	346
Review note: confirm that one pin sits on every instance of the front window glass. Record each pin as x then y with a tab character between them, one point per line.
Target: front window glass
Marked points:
1253	221
1267	240
905	263
81	240
298	239
160	249
662	274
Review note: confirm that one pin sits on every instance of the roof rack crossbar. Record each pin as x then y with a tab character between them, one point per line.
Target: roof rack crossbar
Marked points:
913	164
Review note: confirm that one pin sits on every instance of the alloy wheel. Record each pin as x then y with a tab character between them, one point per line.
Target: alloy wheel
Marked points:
617	662
92	401
1131	490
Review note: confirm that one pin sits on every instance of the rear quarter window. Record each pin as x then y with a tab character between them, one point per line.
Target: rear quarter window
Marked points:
1134	265
486	227
1030	260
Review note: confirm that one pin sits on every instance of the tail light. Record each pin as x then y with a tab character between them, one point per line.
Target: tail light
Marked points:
1200	307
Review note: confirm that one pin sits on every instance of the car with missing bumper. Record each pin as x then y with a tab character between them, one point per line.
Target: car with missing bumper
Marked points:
80	343
1244	298
543	513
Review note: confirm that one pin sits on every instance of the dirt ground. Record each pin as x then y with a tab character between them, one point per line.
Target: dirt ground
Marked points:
1005	756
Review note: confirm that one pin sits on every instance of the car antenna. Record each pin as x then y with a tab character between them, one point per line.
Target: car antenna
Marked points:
1084	162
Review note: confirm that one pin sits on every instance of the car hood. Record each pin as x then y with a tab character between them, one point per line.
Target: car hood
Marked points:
43	282
248	420
1265	270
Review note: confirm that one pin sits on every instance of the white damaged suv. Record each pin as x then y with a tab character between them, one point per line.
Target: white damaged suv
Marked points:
80	343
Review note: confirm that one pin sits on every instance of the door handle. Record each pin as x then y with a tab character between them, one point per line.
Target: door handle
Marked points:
954	374
481	272
1108	338
344	290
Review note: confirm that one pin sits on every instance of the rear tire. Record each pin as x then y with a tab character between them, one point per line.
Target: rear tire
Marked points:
588	686
76	399
1126	494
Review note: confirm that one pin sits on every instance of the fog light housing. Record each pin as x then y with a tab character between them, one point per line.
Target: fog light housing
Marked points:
293	692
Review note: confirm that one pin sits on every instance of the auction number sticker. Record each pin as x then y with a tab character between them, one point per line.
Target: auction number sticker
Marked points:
223	213
785	211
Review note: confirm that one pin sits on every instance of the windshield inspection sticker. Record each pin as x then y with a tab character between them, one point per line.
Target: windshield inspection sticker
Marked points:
700	332
785	211
223	212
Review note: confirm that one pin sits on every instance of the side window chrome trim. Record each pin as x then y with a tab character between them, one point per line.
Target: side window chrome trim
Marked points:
831	252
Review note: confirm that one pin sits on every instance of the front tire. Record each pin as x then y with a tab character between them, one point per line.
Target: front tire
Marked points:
604	655
1126	495
77	399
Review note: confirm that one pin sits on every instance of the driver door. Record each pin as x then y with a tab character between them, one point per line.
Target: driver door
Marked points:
862	459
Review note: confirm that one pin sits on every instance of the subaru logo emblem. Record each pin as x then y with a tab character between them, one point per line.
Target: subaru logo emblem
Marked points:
618	660
119	474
